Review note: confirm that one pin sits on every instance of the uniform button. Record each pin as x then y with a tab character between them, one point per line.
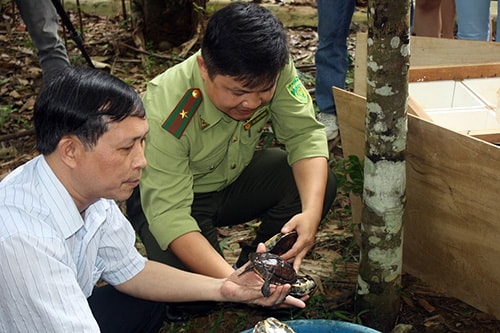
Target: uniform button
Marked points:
233	166
235	139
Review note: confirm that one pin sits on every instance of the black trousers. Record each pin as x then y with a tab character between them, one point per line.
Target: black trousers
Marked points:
116	312
266	190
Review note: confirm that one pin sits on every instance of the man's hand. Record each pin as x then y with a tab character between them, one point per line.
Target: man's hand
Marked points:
306	233
246	288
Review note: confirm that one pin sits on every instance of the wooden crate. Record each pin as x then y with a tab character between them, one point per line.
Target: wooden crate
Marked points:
436	59
452	216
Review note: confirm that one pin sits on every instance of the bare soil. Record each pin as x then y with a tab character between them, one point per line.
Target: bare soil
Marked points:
333	261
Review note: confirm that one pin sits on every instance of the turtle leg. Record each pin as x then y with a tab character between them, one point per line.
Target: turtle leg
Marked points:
266	291
266	287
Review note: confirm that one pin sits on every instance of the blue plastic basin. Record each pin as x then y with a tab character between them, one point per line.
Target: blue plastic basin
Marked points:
324	326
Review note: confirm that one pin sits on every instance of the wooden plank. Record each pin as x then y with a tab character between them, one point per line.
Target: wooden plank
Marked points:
429	52
491	135
453	72
360	70
351	120
417	110
452	220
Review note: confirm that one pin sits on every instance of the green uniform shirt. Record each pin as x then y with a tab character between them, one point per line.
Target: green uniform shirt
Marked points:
194	147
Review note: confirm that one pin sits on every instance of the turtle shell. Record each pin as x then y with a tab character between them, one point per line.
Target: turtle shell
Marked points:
272	325
272	269
281	243
304	285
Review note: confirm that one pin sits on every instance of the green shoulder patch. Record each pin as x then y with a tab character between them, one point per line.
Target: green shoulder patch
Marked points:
181	116
297	90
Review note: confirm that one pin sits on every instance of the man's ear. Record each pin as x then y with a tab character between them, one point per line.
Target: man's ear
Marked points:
202	67
70	148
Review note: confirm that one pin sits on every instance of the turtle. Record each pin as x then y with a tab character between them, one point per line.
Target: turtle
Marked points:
281	243
272	269
272	325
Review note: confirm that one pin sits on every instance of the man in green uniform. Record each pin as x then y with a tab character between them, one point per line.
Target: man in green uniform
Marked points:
206	116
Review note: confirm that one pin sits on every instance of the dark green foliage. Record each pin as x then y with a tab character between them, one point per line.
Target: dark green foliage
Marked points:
350	175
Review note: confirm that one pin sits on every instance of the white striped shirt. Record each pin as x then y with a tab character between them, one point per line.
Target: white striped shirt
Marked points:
50	258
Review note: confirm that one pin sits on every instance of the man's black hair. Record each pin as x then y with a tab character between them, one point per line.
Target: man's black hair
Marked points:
81	101
247	42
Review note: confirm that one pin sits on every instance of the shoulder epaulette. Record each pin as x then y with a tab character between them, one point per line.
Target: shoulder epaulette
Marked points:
181	116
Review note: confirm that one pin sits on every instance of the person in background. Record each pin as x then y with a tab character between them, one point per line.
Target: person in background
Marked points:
61	231
448	13
427	21
334	21
473	20
434	18
204	171
42	22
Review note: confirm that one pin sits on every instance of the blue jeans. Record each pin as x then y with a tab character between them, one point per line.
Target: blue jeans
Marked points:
473	19
41	20
334	20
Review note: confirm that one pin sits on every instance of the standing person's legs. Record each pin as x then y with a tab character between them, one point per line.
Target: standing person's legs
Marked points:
334	20
427	18
118	312
448	14
41	20
473	19
497	33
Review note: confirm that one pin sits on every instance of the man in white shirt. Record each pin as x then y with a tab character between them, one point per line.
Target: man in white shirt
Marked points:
61	231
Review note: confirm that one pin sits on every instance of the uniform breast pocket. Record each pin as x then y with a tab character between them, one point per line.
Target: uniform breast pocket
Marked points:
255	128
206	161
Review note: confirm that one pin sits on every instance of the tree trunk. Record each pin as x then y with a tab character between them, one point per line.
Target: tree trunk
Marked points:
379	279
169	23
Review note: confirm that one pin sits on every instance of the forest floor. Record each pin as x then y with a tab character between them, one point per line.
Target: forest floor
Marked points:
333	261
